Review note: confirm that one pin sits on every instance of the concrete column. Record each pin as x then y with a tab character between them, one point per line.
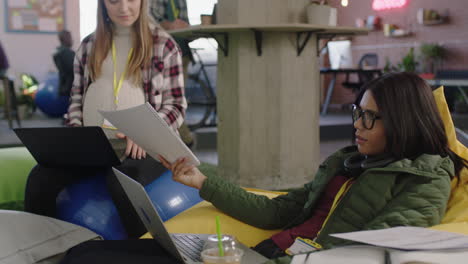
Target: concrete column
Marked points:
268	106
249	12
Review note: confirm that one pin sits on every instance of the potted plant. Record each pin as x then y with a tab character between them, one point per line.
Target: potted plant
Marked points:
389	67
408	62
432	55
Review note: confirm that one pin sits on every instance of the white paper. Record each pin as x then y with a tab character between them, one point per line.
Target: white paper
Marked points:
348	255
409	238
30	18
107	124
299	259
17	3
148	130
361	254
17	22
420	257
47	24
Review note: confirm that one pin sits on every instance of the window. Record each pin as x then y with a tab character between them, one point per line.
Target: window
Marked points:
198	7
88	12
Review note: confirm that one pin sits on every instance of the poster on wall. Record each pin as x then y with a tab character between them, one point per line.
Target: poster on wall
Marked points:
35	16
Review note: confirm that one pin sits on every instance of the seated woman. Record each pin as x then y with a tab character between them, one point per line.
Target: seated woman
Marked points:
398	174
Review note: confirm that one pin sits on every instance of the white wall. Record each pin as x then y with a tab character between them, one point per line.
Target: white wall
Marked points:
32	53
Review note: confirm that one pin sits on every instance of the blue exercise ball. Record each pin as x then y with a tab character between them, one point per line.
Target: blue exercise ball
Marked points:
48	99
171	198
88	203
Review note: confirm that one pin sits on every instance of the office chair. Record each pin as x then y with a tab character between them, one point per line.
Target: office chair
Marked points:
10	106
368	60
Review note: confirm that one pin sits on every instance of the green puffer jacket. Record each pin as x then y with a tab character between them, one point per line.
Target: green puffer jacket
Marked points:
404	193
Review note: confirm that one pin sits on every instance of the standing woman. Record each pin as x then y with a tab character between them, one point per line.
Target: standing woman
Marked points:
124	63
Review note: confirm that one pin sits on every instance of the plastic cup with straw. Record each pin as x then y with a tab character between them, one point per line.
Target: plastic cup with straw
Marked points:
216	252
218	233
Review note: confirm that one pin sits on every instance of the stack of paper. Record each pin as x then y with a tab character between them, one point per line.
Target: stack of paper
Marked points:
396	245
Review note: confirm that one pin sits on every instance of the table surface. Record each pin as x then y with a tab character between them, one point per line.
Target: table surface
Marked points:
348	70
448	82
224	28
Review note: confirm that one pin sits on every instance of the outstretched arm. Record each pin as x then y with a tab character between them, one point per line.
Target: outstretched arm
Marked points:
253	209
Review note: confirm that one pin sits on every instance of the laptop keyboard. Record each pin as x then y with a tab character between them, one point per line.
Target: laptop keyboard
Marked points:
190	245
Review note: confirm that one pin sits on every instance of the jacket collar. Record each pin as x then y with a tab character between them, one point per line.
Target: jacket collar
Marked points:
425	165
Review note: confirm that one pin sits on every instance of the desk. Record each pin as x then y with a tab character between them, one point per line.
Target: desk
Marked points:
347	72
447	82
267	97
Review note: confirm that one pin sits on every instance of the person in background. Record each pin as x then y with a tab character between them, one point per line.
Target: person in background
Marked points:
126	62
398	174
63	59
171	15
4	65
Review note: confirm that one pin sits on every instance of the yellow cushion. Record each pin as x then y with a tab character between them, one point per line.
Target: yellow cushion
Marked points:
461	228
200	219
457	208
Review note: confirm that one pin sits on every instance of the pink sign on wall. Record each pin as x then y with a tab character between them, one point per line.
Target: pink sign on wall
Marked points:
388	4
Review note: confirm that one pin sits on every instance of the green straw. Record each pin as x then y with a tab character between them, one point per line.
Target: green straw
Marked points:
218	232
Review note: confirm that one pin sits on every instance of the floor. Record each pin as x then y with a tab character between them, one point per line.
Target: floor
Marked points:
38	119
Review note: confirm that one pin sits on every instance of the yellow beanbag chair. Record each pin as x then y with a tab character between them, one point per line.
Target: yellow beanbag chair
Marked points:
457	208
200	219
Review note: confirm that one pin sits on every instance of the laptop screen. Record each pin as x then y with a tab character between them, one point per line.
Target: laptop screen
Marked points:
68	146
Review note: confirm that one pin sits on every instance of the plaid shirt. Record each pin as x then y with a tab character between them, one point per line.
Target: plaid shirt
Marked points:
163	81
159	9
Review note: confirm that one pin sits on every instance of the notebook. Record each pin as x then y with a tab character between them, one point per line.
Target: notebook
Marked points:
183	247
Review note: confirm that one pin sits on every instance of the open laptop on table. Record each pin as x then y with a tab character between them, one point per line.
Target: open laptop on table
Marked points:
184	247
69	146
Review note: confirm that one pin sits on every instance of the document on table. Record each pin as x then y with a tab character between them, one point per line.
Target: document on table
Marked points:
148	130
449	256
363	254
408	238
349	255
398	245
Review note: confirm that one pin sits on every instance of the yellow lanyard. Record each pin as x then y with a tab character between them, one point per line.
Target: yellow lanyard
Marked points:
175	11
118	86
344	188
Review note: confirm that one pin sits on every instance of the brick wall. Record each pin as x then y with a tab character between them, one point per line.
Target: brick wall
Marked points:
452	35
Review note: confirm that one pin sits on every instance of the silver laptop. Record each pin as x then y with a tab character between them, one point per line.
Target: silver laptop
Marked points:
184	247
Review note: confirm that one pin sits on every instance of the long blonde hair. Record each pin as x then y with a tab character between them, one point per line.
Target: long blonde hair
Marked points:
142	41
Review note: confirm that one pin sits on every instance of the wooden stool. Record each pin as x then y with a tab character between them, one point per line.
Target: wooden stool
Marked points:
11	106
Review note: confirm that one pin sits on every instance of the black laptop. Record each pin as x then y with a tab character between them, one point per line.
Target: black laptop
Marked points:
69	146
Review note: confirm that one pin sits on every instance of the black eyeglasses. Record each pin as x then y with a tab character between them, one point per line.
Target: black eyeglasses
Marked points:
368	117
